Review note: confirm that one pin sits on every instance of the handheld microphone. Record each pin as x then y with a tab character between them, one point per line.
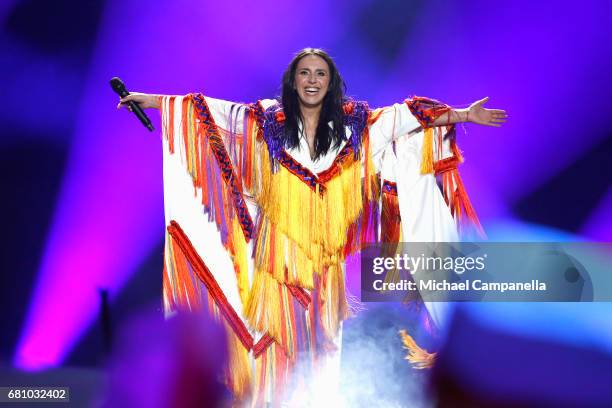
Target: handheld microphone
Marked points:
119	87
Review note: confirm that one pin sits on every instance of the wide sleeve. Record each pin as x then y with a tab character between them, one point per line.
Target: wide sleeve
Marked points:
210	165
411	155
386	125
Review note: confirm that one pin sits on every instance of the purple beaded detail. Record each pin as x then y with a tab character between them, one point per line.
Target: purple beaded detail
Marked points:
273	134
355	117
389	187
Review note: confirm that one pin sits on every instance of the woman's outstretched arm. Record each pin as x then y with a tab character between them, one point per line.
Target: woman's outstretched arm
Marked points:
475	113
145	101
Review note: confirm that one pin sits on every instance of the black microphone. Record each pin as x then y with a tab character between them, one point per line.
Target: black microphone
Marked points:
119	87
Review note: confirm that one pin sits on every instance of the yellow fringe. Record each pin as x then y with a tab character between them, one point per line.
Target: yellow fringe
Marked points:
277	254
427	165
268	308
263	310
289	320
192	141
401	235
335	307
316	223
418	357
303	233
240	261
252	148
239	375
192	164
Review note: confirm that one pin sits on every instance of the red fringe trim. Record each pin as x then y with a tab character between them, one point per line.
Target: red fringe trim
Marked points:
262	345
188	252
316	182
225	165
426	110
204	274
457	198
167	289
462	201
444	165
300	295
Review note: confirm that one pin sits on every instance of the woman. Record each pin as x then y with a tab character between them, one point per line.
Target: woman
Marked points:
290	189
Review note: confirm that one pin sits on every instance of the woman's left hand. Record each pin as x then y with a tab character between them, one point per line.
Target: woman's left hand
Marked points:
483	116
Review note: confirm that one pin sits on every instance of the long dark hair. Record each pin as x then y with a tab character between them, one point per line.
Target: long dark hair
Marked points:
330	111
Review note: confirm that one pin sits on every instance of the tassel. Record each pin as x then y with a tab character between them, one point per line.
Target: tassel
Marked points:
417	356
427	165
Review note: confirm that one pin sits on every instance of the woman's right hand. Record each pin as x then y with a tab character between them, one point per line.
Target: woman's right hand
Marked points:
145	101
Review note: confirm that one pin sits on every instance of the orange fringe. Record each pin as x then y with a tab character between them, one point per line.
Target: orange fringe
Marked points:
188	293
458	201
197	142
188	297
454	192
390	222
239	376
418	357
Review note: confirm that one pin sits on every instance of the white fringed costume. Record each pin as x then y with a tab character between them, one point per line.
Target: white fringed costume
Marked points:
258	234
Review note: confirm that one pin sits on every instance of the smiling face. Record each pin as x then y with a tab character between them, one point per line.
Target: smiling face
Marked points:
311	81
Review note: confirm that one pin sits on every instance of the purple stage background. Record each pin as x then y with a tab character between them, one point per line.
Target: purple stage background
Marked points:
82	181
